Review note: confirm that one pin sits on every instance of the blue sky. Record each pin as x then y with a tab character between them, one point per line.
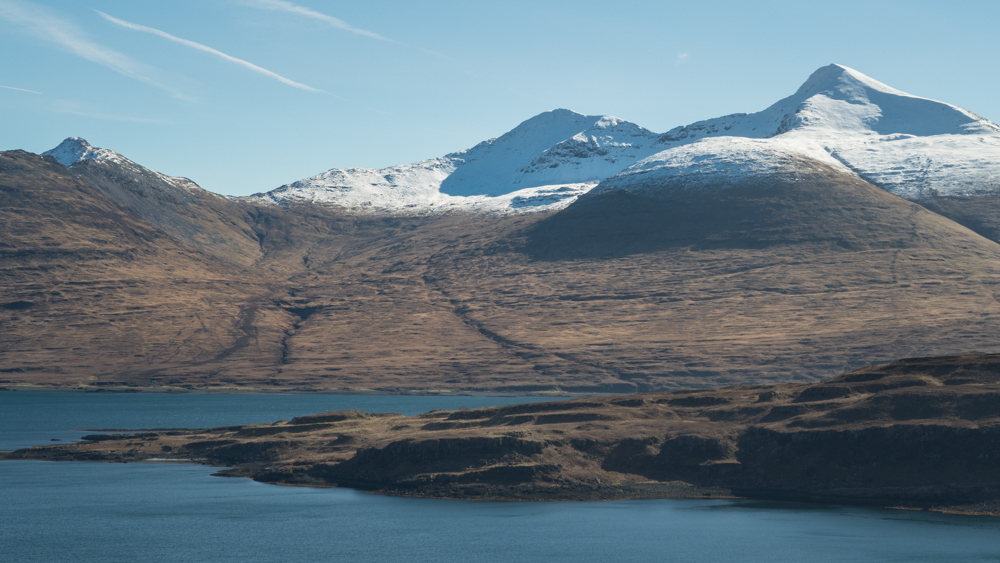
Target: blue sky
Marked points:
243	96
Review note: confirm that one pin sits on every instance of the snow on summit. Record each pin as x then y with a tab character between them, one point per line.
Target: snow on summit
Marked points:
75	149
556	147
544	163
910	146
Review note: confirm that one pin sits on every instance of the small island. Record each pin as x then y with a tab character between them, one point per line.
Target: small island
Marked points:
920	433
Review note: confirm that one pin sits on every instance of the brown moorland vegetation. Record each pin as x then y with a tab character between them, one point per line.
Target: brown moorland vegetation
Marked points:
109	282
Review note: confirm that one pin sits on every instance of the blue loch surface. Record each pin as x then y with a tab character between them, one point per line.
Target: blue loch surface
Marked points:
174	512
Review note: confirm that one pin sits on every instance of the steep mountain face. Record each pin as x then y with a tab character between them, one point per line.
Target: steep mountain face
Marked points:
765	241
95	296
542	164
794	280
178	206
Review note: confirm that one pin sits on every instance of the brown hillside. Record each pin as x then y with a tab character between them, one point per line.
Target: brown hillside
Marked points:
768	283
89	290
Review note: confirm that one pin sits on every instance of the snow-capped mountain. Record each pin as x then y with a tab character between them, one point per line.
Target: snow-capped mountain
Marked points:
543	163
907	145
910	146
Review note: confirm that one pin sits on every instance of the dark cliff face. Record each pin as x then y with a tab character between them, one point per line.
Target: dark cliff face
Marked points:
896	464
899	462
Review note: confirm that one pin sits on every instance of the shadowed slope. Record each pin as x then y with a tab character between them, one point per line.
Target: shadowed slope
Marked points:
177	206
980	213
814	205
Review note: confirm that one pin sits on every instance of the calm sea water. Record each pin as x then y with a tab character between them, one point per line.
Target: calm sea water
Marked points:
29	419
167	512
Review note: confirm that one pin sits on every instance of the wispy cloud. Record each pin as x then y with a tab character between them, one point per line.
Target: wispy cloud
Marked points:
84	110
288	7
682	58
21	90
337	23
209	50
42	24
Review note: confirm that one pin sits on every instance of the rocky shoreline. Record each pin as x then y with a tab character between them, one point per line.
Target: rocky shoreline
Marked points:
915	434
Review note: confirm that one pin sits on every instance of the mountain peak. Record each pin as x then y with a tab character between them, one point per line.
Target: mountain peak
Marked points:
70	151
557	115
551	127
840	98
843	79
907	145
544	163
548	128
75	149
837	100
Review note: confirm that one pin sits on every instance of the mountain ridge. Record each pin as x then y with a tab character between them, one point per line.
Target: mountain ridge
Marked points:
911	146
178	206
908	145
515	172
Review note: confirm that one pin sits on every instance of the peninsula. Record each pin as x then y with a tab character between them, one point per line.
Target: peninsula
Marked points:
920	433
